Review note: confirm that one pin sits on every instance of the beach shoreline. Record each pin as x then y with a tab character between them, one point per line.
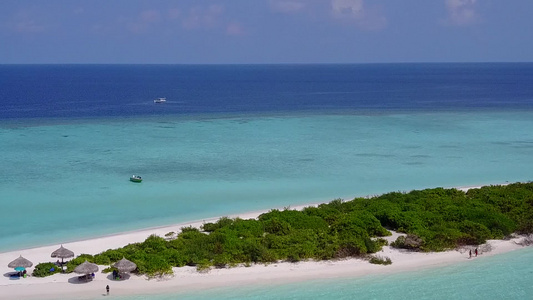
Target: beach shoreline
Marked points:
189	279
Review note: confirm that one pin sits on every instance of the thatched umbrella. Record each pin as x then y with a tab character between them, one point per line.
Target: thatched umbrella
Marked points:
20	262
125	265
62	253
86	268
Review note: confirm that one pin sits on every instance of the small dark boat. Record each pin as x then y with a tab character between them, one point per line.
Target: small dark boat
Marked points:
136	178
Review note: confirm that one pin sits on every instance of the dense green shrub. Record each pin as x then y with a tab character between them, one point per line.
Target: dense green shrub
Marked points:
153	265
45	269
275	225
222	222
378	260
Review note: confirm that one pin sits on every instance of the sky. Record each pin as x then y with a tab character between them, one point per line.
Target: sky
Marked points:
264	31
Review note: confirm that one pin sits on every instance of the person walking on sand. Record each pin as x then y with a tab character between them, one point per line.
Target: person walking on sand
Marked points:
476	252
470	253
107	289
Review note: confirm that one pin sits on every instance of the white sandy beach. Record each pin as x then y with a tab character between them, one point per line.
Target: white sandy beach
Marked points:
187	278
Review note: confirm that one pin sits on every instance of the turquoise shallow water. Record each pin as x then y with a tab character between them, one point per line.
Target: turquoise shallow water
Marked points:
69	180
506	276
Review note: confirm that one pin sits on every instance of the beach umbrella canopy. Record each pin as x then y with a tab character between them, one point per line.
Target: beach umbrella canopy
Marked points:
86	268
62	253
125	265
20	262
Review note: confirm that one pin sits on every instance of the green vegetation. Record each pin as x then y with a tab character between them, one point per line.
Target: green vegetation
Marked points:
434	219
378	260
45	269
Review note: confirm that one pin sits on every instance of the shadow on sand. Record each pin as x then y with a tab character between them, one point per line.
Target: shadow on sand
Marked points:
77	280
124	276
12	275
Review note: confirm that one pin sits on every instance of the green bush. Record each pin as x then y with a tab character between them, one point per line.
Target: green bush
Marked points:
378	260
475	233
45	269
203	265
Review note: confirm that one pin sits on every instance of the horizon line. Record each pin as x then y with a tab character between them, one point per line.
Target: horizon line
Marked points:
280	63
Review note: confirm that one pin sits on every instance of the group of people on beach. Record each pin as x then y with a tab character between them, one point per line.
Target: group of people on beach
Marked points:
475	252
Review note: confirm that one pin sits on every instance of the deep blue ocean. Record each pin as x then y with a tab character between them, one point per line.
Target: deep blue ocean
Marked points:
90	91
238	138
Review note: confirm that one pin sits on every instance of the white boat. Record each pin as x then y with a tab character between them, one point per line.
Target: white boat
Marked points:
160	100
